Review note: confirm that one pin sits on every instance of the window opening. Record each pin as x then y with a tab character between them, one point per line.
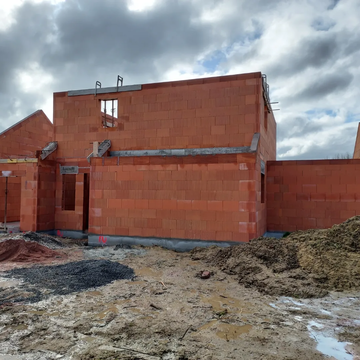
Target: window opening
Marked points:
68	193
262	188
109	113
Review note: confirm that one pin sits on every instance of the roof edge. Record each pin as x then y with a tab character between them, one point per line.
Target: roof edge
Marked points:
23	120
172	83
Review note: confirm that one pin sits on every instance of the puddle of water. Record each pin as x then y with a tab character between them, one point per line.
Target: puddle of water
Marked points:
328	345
232	332
220	303
135	310
89	339
226	331
315	324
111	308
19	327
146	271
207	325
325	312
136	282
8	283
288	300
331	314
43	313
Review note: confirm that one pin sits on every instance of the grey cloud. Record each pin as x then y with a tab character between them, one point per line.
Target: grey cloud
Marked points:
297	127
332	4
24	42
321	87
98	40
323	23
313	52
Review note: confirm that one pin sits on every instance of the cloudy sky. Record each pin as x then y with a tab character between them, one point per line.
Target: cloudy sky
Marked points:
309	49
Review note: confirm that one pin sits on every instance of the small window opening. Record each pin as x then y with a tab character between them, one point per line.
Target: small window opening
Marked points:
109	113
262	188
68	193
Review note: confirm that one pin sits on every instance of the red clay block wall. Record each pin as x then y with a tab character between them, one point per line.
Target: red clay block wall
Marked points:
311	194
213	112
267	133
26	173
24	138
46	196
69	219
357	145
200	197
13	198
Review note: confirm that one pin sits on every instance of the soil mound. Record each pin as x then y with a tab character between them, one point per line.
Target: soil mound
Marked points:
304	264
332	254
25	251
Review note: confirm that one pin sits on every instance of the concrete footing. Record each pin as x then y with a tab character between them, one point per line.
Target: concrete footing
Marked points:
181	245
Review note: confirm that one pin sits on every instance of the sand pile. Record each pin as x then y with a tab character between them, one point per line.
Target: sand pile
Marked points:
25	251
305	264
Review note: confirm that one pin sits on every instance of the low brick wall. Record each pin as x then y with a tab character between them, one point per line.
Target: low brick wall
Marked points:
311	194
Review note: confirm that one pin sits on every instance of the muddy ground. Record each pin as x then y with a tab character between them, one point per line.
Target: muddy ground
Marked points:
166	311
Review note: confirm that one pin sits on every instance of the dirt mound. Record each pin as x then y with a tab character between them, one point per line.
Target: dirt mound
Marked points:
332	254
25	251
305	264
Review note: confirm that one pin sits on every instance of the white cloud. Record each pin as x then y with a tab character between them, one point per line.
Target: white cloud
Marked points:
141	5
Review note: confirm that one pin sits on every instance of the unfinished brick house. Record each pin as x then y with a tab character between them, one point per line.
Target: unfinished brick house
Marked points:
170	162
186	160
177	160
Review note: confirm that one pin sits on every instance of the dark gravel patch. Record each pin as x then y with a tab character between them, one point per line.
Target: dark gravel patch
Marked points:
42	281
42	239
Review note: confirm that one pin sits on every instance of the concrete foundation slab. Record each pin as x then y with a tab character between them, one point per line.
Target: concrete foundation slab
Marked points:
181	245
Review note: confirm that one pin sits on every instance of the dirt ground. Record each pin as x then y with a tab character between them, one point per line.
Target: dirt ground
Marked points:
167	311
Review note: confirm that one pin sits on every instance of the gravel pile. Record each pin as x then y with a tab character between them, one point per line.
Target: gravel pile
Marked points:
42	281
42	239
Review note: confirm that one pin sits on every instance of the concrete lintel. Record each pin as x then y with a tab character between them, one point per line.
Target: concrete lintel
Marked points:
255	142
182	152
18	161
181	245
48	149
105	90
